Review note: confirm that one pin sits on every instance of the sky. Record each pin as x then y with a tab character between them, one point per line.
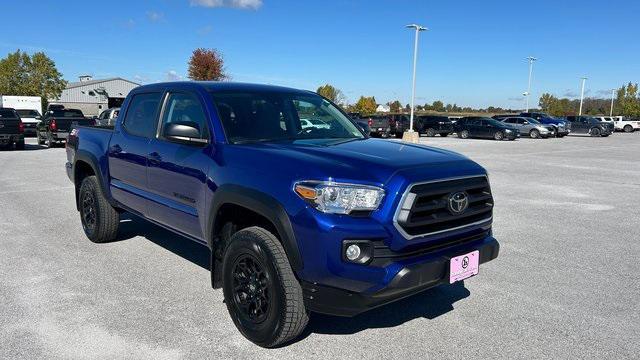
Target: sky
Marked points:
473	54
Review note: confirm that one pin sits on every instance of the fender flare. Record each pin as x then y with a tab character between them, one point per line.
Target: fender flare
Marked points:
263	204
89	158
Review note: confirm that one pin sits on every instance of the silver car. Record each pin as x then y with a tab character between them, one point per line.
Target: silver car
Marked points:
530	127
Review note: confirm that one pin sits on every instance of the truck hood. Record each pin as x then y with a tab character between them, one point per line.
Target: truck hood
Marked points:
373	161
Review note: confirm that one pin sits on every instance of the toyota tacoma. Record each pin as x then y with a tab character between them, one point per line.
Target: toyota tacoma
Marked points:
298	219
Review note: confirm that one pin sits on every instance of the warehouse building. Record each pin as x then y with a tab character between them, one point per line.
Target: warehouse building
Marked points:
94	96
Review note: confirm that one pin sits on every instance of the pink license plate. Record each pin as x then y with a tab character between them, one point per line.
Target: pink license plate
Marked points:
464	266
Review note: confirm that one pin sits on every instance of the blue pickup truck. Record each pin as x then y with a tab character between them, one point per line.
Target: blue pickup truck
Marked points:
298	220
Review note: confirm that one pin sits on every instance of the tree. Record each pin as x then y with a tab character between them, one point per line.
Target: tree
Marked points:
366	105
438	106
395	106
207	64
331	93
546	101
35	75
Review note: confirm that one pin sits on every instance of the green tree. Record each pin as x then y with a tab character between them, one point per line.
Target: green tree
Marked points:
546	101
331	93
35	75
437	106
366	105
395	106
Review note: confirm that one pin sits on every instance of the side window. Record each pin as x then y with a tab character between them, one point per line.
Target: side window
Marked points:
509	121
184	109
141	115
103	115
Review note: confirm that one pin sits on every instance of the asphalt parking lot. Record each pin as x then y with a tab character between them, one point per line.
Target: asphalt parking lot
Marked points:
565	285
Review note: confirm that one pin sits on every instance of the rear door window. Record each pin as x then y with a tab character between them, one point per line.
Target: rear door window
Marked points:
142	115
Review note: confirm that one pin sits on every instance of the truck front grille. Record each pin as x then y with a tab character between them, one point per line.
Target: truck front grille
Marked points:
428	208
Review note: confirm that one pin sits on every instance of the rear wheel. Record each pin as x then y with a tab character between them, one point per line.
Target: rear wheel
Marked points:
498	135
628	128
595	132
534	134
464	134
100	220
263	296
430	132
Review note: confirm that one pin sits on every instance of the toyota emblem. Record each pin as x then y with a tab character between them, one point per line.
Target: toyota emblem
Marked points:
458	202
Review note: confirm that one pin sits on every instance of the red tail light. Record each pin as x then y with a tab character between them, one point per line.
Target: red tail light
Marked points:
370	122
52	125
21	127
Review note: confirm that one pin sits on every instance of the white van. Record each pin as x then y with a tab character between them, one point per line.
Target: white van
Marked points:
28	107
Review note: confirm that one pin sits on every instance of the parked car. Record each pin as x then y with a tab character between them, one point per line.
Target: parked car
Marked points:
430	125
11	129
400	124
530	127
30	119
484	127
55	126
608	121
588	125
562	127
379	125
325	221
107	118
627	125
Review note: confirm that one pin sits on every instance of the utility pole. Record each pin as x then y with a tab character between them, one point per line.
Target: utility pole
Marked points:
417	28
613	91
531	60
584	79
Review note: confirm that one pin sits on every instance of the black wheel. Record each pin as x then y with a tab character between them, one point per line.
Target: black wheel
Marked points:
262	294
444	134
498	135
464	134
595	132
534	134
20	145
628	128
100	220
430	132
399	134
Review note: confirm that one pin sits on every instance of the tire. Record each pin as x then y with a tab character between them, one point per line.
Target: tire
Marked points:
498	135
20	145
255	266
595	132
430	132
534	134
398	134
444	134
99	219
628	128
464	134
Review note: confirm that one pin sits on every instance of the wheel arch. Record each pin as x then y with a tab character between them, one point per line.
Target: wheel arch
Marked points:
85	164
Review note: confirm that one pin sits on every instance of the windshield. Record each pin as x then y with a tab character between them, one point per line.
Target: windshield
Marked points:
28	113
7	114
278	116
66	113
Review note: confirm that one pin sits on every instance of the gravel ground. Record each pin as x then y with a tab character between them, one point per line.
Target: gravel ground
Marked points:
565	285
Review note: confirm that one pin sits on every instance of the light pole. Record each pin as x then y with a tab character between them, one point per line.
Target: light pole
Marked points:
418	28
584	79
531	60
613	91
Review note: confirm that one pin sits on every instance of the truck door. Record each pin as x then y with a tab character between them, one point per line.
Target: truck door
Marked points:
177	169
128	151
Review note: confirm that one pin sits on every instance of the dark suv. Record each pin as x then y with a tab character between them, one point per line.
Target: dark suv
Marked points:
431	125
11	129
588	125
484	127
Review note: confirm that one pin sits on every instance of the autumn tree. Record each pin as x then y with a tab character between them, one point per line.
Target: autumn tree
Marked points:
395	106
366	105
331	93
207	64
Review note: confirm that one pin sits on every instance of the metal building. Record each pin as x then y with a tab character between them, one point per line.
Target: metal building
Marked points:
94	96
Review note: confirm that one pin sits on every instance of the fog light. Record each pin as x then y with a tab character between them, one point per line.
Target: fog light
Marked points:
353	252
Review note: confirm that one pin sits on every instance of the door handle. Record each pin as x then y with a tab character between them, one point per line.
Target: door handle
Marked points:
116	149
154	157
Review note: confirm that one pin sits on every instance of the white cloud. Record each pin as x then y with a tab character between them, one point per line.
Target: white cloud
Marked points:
172	75
155	16
239	4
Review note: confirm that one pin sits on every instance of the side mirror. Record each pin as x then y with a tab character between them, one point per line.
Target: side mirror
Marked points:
187	133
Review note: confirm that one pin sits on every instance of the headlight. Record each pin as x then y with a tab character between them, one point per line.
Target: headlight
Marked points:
507	130
339	198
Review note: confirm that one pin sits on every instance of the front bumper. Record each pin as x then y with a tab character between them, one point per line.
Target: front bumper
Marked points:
412	278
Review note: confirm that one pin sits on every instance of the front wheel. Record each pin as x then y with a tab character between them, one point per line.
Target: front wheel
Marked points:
534	134
498	135
99	219
262	294
464	134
